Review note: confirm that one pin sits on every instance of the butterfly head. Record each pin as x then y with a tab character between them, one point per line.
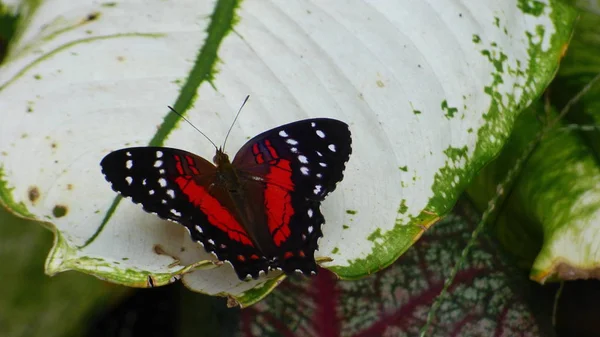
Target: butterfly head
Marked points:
220	157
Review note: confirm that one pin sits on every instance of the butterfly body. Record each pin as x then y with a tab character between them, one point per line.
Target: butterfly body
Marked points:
260	211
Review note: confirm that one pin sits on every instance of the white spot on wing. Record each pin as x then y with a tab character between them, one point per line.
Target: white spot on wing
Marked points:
171	193
282	133
163	181
310	213
319	154
159	154
151	192
310	229
303	159
129	180
144	182
305	171
211	241
320	133
294	150
175	213
199	229
128	154
313	124
331	147
158	163
323	164
317	189
292	141
161	171
319	175
129	164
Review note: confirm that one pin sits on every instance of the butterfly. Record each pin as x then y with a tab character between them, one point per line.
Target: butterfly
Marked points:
261	211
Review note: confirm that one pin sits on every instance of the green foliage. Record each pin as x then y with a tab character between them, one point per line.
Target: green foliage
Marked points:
8	25
31	303
550	216
488	294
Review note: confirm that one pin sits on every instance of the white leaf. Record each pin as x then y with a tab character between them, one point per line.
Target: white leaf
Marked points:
430	90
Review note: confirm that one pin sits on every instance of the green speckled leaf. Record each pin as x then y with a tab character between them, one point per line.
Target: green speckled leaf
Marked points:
430	95
487	297
550	220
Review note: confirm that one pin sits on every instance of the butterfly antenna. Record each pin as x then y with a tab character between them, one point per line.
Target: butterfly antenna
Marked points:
190	123
235	119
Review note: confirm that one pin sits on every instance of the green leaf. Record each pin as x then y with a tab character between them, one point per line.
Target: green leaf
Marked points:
488	295
550	218
30	303
430	94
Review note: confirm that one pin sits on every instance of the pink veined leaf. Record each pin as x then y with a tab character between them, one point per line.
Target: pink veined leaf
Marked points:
482	301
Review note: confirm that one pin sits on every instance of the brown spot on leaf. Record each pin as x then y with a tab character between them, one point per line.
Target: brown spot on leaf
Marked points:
92	16
59	211
158	249
232	302
569	272
34	194
53	145
563	50
69	187
151	282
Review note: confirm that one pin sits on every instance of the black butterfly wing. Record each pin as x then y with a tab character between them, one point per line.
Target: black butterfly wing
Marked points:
180	186
290	170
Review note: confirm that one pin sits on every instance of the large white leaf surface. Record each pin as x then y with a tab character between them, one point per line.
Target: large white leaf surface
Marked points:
430	90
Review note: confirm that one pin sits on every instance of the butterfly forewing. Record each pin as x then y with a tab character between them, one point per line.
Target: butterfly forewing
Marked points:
317	150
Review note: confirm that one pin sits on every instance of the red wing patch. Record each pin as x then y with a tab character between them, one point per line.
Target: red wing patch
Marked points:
217	215
279	184
278	200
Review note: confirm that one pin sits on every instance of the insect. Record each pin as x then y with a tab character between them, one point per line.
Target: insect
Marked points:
260	211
